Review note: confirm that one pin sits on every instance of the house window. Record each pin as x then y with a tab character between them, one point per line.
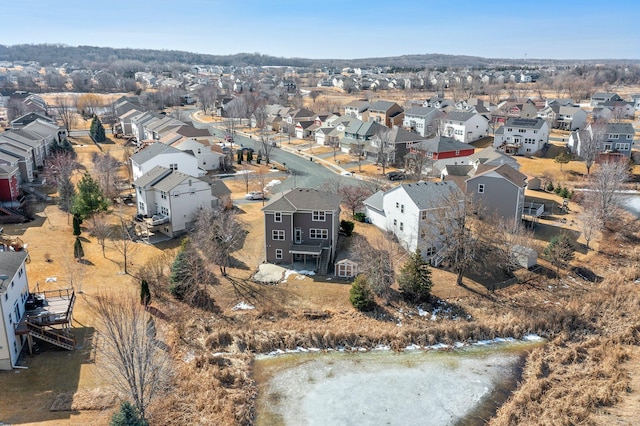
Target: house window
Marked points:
397	205
481	188
401	226
163	195
141	205
318	234
395	222
423	215
176	193
401	208
629	137
318	216
278	253
277	217
173	166
613	136
430	251
164	211
277	234
457	153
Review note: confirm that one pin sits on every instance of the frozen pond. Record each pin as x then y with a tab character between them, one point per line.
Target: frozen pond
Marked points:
386	388
632	203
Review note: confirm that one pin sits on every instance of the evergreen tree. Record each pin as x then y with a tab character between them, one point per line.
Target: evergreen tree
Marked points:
127	415
562	158
96	131
76	225
559	251
415	279
239	155
78	251
89	200
361	295
145	293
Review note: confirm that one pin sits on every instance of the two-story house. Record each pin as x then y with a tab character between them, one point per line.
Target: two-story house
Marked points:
422	120
444	149
159	154
14	290
391	145
522	136
409	211
599	98
357	109
386	113
465	126
169	200
301	226
614	138
565	117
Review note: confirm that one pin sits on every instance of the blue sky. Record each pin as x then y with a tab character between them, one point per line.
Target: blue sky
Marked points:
339	29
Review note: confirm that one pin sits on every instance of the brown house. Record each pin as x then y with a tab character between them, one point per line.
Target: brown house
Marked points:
386	113
301	226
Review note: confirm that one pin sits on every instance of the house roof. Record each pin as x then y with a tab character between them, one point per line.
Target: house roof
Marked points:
399	135
7	170
10	262
620	128
151	151
492	155
361	106
460	115
151	176
170	181
383	106
504	170
443	144
303	199
429	195
219	188
191	131
420	111
529	123
376	201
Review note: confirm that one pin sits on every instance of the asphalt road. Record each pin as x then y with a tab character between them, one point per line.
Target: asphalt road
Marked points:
303	173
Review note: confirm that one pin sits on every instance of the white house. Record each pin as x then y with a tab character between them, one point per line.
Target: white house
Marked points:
408	211
14	290
357	109
170	200
209	156
421	120
465	126
159	154
522	136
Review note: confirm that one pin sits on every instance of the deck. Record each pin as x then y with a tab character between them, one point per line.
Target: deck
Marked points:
56	309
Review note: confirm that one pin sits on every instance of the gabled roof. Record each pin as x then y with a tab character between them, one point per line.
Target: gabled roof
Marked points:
420	111
219	188
152	176
152	150
429	195
443	144
493	156
383	106
304	199
10	262
504	170
620	128
360	106
42	127
375	201
461	116
190	131
528	123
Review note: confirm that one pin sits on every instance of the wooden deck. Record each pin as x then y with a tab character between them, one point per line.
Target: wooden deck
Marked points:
56	309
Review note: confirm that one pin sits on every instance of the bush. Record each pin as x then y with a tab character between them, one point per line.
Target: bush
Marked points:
127	416
557	189
564	193
347	226
359	217
360	294
550	187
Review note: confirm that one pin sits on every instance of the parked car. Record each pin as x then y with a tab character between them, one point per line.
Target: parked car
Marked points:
254	195
395	176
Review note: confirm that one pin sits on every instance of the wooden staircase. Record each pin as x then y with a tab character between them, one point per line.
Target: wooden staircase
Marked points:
324	262
437	258
55	336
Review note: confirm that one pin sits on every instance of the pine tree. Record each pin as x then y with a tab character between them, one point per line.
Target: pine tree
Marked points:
560	251
127	415
76	225
89	200
415	279
361	295
96	131
78	251
145	294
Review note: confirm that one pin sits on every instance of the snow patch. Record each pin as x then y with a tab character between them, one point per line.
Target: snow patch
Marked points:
243	306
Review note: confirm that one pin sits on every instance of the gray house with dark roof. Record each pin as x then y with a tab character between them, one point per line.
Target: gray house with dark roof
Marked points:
301	226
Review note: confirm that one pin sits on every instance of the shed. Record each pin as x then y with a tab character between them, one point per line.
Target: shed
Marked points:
346	268
525	256
534	183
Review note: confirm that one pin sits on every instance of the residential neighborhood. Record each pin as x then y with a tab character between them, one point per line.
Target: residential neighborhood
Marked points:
252	211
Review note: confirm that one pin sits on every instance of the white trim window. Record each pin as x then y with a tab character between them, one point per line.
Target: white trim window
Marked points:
278	253
481	188
277	234
318	234
277	217
318	216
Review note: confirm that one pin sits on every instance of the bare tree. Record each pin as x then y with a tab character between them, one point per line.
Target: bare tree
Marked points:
137	364
66	111
604	190
123	242
353	196
591	143
375	257
218	235
508	238
416	162
58	171
101	230
106	171
89	104
15	108
590	223
384	148
208	96
266	144
156	272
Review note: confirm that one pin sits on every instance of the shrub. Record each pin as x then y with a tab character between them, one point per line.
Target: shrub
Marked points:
360	217
347	226
361	295
127	415
557	189
564	193
550	187
415	279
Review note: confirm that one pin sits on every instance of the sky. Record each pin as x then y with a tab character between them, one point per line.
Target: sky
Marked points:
336	29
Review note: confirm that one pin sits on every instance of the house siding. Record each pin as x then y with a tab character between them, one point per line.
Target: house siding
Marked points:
498	197
10	344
